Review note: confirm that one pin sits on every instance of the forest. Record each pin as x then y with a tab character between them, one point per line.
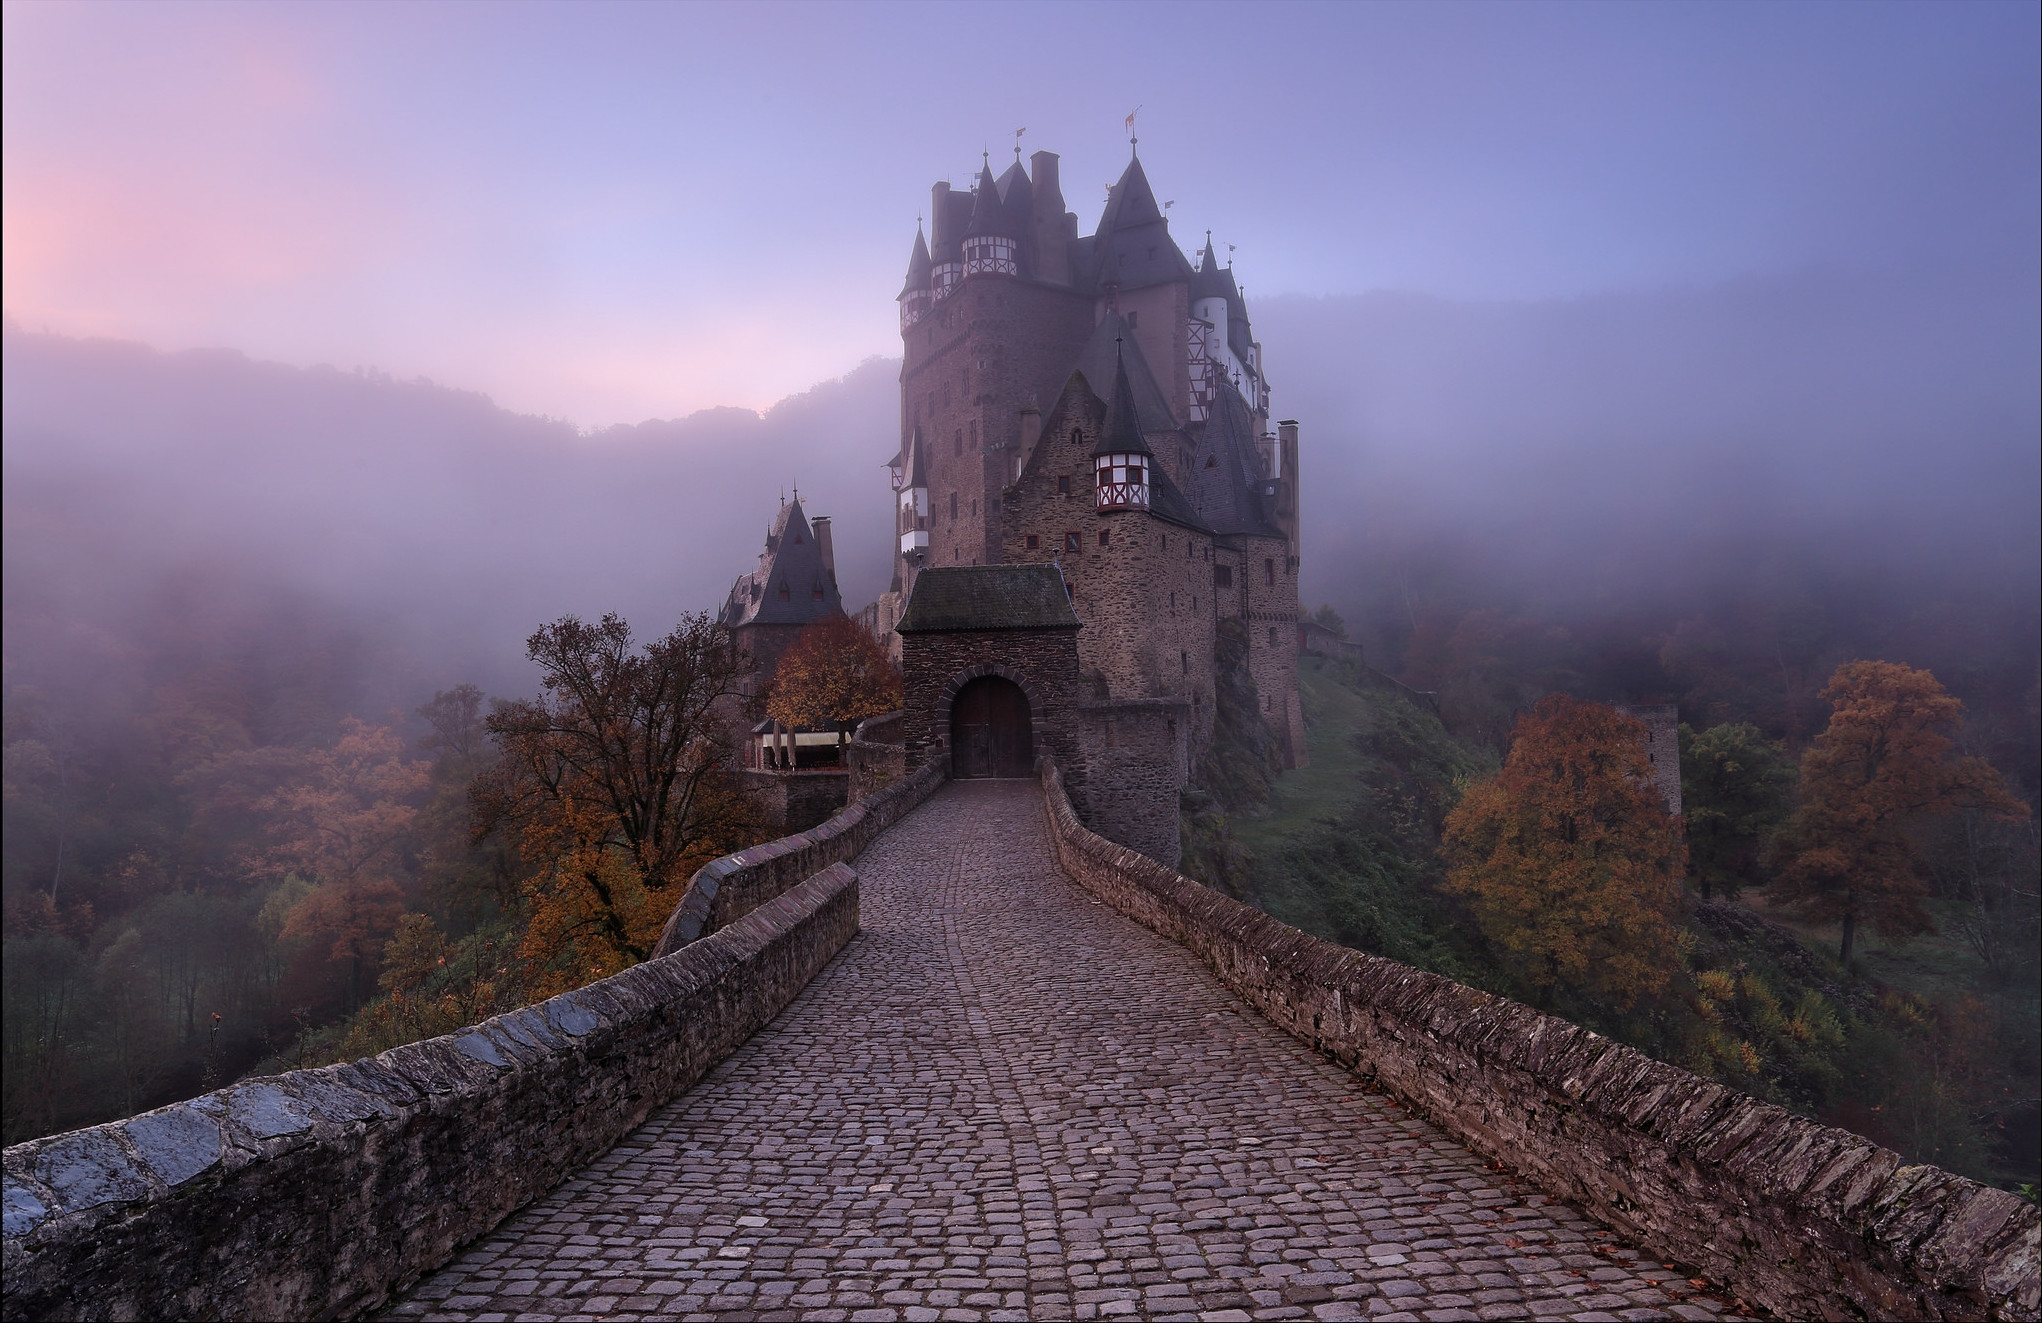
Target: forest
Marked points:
256	813
1846	922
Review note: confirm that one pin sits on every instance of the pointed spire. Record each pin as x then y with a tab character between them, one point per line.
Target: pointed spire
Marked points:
986	211
1123	431
918	469
918	262
1131	201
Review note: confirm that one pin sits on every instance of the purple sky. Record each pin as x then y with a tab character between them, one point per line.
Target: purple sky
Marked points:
609	213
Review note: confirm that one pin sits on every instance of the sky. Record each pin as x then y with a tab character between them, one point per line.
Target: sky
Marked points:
613	213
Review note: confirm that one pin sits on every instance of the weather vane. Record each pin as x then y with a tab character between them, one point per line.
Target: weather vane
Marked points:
1129	122
1017	144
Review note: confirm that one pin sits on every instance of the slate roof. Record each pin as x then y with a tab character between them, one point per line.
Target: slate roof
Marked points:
918	265
956	598
1228	495
1123	430
1113	344
792	561
988	216
1133	248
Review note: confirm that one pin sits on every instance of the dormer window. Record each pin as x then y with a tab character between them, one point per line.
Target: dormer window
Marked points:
1123	481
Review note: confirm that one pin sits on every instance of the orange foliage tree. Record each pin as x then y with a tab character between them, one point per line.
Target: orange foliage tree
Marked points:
1884	767
342	822
615	782
834	674
1568	857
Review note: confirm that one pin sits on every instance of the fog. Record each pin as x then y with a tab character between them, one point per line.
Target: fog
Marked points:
1576	455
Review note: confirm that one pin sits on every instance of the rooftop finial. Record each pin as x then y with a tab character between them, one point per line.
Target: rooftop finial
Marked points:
1017	144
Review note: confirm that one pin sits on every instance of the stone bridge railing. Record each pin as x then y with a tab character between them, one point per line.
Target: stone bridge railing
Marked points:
321	1193
724	890
1806	1220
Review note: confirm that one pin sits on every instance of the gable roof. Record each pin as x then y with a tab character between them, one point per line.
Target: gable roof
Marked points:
791	562
1166	499
1112	345
955	598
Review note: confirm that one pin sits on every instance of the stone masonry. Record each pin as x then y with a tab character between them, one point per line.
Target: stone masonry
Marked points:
1005	1101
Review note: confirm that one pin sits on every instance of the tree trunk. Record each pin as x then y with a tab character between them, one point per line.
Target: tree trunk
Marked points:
1850	932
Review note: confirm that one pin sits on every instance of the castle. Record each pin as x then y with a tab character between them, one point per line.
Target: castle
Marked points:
1098	405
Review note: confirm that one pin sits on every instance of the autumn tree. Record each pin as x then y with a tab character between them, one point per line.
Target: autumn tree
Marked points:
343	822
1873	781
615	783
834	675
1735	789
1568	857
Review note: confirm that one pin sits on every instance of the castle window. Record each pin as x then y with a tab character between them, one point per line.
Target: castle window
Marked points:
1077	437
1210	462
783	592
1063	484
1034	542
1222	576
1272	636
1173	604
1134	319
818	594
957	443
1074	543
974	509
1185	659
1105	537
973	429
1269	568
953	505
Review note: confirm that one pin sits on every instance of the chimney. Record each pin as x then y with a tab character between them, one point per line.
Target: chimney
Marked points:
1052	251
939	216
821	525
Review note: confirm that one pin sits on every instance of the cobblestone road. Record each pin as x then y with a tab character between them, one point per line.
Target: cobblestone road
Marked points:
1004	1101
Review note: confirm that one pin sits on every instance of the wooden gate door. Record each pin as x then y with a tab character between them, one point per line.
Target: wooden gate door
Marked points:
990	734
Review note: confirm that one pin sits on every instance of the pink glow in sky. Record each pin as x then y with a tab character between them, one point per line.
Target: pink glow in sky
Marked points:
608	213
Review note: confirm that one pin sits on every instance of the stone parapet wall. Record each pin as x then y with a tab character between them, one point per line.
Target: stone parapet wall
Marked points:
797	799
876	754
1805	1220
321	1193
725	890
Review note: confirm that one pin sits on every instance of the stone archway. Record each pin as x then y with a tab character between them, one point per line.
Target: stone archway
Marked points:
991	734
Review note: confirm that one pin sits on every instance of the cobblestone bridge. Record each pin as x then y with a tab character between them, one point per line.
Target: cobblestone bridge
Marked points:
1004	1101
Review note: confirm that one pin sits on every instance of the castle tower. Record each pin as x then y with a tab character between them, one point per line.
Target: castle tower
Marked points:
1122	459
1011	324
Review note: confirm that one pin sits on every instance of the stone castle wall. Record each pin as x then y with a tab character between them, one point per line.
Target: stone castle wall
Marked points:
321	1193
1138	756
1145	596
969	368
798	799
1265	599
1043	661
1805	1220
